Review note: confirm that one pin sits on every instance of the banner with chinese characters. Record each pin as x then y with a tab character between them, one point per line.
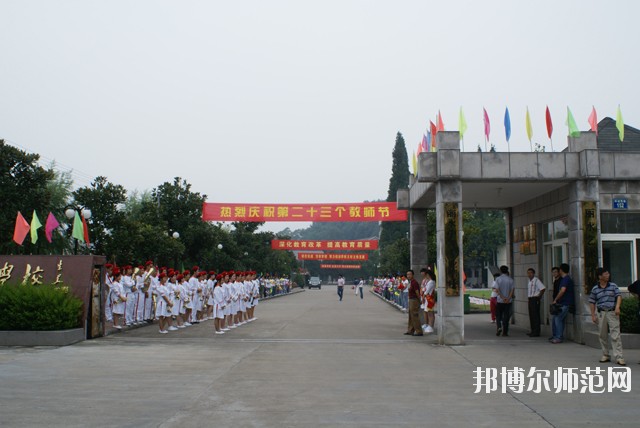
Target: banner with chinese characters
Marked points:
288	244
362	211
323	266
332	256
72	272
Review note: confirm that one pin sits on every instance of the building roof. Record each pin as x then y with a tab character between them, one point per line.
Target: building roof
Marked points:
609	140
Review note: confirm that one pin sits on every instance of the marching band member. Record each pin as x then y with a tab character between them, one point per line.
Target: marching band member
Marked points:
173	293
218	306
148	301
248	291
138	313
129	286
234	293
163	304
188	300
108	282
118	298
184	300
255	295
211	282
226	293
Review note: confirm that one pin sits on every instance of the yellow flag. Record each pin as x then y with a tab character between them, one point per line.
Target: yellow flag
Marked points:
528	125
415	164
620	124
462	124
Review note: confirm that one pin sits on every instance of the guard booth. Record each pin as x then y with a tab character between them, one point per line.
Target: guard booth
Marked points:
580	206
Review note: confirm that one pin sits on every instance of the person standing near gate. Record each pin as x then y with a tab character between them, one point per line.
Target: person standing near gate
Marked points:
340	286
413	325
535	292
565	299
605	297
504	287
360	286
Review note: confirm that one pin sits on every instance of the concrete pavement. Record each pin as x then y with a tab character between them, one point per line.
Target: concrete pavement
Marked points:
308	361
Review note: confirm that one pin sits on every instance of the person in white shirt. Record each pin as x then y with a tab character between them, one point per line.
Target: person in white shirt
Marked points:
340	286
218	306
138	313
360	288
149	307
130	290
118	298
428	293
535	291
163	303
108	282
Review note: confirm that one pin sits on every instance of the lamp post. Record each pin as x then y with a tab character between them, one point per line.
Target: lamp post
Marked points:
175	235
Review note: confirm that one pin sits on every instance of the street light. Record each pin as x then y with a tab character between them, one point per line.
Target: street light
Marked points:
175	235
219	246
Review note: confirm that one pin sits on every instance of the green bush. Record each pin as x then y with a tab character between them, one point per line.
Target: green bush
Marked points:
42	307
629	322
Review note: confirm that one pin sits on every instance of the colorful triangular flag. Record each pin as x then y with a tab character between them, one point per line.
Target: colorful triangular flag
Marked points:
487	124
593	120
547	116
462	124
78	229
21	229
571	123
85	230
35	225
440	122
507	124
414	161
50	226
620	124
527	120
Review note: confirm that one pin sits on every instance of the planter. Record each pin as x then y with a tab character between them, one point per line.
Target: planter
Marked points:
41	338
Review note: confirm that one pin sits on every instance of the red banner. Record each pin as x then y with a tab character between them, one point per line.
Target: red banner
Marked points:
363	211
332	256
340	266
288	244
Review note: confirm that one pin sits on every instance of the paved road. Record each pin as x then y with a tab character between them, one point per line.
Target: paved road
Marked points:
308	361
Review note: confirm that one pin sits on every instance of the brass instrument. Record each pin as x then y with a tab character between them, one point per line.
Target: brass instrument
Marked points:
146	278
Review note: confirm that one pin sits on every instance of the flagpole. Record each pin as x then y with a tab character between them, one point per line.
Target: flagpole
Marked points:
551	141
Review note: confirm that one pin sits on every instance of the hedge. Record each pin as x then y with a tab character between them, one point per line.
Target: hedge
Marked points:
39	308
629	318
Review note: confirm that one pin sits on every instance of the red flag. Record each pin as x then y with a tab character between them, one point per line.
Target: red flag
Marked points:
419	148
440	122
549	124
85	230
593	120
434	129
50	226
21	230
487	124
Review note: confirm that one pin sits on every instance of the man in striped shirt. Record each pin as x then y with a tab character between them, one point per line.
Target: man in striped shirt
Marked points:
605	298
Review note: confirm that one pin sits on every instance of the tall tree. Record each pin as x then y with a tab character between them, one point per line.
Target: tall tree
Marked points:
23	187
392	231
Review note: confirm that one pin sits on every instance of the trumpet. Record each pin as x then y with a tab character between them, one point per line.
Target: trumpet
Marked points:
135	272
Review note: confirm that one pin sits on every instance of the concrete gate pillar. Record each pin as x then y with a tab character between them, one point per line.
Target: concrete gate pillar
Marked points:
450	316
418	238
584	229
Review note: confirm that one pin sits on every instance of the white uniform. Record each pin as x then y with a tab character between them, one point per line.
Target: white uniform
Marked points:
218	302
226	293
140	299
172	290
148	300
256	292
130	306
161	306
184	297
117	293
108	310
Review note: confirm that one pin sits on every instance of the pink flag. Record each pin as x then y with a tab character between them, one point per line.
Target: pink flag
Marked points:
487	124
425	143
547	117
49	227
593	120
440	122
419	148
21	229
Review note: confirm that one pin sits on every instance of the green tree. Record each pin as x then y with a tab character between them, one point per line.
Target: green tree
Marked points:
23	187
391	231
105	201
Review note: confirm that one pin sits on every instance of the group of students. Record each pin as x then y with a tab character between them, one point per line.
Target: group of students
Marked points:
180	299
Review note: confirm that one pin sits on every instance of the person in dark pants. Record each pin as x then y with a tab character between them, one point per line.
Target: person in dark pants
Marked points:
413	325
504	287
535	291
340	286
565	298
360	287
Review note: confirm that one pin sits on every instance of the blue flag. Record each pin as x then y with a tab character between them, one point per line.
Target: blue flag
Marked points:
507	124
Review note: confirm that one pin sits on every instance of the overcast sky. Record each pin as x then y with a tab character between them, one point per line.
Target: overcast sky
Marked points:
298	101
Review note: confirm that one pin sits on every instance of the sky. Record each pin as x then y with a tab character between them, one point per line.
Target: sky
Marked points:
298	101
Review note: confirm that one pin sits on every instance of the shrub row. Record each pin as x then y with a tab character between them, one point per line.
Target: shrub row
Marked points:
40	307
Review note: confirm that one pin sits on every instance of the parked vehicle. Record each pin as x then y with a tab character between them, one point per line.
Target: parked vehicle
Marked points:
315	281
